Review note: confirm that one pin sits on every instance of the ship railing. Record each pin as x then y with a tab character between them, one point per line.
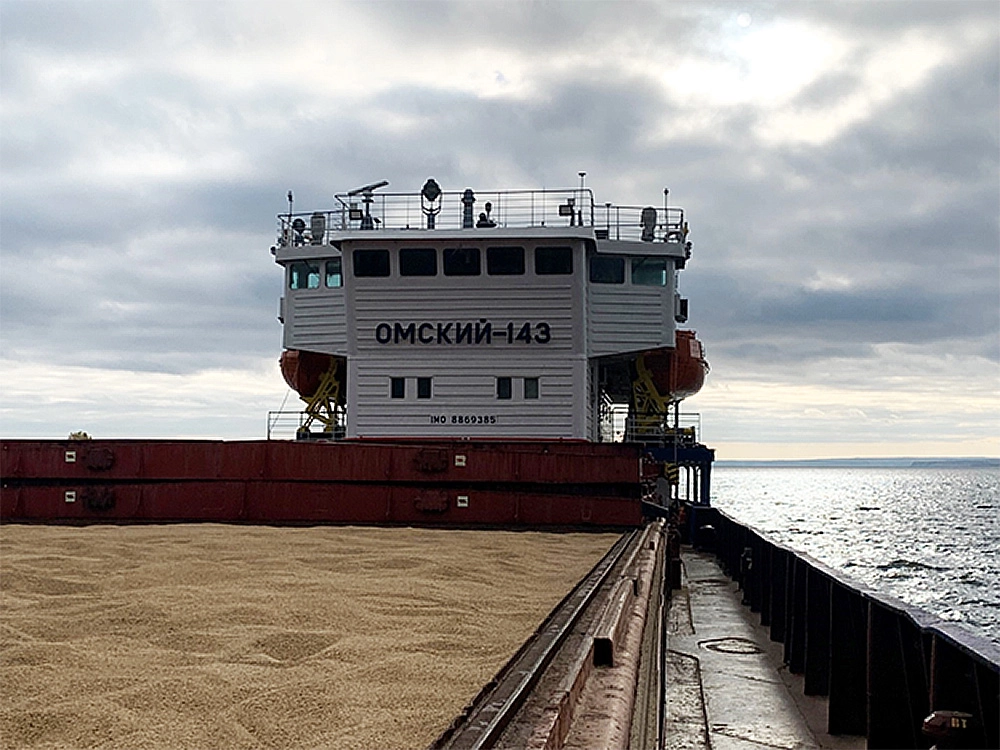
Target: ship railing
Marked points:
290	425
627	223
508	209
663	429
882	664
618	424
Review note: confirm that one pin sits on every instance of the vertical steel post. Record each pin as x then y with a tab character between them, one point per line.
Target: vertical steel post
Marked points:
898	695
848	663
817	646
766	585
779	594
795	637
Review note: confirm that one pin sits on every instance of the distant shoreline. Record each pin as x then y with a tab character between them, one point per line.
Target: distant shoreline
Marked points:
857	463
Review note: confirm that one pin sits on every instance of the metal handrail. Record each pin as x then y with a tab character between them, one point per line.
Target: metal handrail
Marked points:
509	209
285	424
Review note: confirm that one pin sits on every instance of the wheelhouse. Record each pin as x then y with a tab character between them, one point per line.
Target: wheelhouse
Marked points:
406	315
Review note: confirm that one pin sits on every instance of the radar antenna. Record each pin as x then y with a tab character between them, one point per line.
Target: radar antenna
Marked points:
365	191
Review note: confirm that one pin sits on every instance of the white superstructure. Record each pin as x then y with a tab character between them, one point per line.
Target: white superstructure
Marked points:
503	314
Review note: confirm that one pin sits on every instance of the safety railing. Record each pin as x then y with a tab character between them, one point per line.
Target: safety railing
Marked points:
617	425
288	425
890	671
508	209
662	429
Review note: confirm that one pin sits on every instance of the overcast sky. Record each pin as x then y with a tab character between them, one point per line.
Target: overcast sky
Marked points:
839	164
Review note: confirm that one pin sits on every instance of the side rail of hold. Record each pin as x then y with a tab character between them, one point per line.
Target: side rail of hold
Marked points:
885	666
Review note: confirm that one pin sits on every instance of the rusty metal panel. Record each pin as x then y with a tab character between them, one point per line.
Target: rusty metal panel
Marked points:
476	483
454	461
10	502
192	501
342	461
244	460
71	459
313	502
181	460
72	503
118	503
545	462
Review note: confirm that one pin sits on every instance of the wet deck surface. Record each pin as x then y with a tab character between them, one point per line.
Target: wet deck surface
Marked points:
727	687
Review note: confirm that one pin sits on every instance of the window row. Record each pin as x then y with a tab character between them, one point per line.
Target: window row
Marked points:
610	269
305	275
423	261
505	388
463	261
500	261
397	387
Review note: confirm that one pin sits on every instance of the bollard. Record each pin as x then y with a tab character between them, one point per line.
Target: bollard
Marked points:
706	538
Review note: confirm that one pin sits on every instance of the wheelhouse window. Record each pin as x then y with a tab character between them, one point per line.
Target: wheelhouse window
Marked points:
303	275
531	388
606	269
334	273
649	271
505	261
418	261
423	387
553	261
371	263
461	261
505	389
397	387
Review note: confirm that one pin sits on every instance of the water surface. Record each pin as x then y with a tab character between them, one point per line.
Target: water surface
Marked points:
928	536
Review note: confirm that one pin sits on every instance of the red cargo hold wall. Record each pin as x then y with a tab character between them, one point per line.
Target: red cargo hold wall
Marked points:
463	483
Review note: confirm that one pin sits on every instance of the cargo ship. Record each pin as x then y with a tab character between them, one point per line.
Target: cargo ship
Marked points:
468	358
512	359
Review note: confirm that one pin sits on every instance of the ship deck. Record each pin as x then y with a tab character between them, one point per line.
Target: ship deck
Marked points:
727	685
256	636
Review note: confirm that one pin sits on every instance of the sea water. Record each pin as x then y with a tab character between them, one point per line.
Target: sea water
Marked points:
927	536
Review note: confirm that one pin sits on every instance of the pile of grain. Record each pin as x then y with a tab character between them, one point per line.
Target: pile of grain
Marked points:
207	635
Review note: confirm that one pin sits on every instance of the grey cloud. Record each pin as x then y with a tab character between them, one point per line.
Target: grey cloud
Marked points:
114	27
544	26
861	18
902	204
829	89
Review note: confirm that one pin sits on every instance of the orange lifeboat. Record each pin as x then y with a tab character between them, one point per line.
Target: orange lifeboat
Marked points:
679	372
303	370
